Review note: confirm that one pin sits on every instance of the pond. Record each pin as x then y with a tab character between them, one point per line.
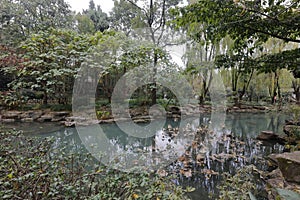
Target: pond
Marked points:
198	163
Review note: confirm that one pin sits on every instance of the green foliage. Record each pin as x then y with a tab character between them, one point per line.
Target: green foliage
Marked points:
248	23
102	114
124	16
19	19
51	60
32	169
84	24
288	194
295	111
12	100
95	15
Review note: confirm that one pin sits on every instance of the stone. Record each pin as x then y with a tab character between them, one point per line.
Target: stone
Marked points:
292	122
271	137
57	119
45	118
292	130
27	120
107	121
289	165
272	162
11	115
8	120
60	114
36	114
175	110
31	114
69	123
260	107
141	121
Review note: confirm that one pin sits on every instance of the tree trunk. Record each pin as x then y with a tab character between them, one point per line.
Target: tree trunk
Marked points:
45	98
296	87
154	85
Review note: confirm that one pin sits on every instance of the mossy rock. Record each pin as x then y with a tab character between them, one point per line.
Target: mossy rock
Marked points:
289	165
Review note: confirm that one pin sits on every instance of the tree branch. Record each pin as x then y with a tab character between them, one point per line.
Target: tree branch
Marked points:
272	34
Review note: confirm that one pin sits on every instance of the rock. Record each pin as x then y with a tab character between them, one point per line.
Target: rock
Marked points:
272	162
141	121
11	115
276	182
8	120
292	130
45	118
69	123
174	110
289	165
176	116
25	115
60	114
27	120
107	121
57	119
31	114
260	107
271	137
36	114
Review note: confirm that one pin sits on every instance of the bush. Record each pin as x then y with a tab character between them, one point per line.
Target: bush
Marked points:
31	169
295	111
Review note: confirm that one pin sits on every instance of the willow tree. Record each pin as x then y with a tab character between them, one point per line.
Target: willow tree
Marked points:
248	22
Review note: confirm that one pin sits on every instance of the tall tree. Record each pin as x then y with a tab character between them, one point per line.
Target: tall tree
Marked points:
124	16
97	16
84	24
246	20
151	15
19	19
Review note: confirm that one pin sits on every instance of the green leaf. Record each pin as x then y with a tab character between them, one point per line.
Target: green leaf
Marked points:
252	197
288	194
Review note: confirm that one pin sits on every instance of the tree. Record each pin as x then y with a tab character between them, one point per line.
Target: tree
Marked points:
19	19
124	16
150	15
9	57
250	21
97	16
119	54
200	67
51	60
84	24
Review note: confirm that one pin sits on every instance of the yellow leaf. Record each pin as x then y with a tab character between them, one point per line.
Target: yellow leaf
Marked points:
135	196
10	176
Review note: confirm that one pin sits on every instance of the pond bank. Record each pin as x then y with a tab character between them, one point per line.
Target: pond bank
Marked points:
138	115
